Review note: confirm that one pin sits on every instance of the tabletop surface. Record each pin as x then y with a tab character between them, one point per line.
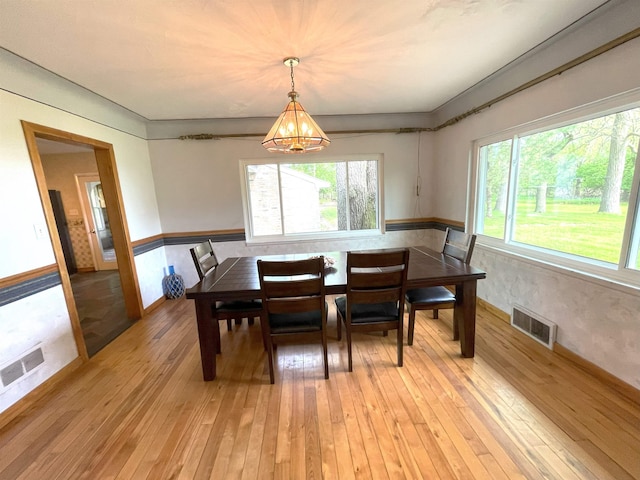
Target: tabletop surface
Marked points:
237	277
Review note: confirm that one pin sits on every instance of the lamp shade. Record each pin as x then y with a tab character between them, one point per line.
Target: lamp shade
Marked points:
295	131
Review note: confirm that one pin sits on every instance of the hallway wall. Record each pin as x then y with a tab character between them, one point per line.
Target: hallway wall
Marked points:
60	171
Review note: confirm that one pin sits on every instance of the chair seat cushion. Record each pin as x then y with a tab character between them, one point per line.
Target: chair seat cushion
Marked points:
429	295
239	306
368	312
295	322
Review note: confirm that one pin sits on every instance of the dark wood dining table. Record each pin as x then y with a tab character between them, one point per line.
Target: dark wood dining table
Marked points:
236	278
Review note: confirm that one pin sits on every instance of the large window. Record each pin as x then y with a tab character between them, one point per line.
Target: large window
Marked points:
312	199
568	190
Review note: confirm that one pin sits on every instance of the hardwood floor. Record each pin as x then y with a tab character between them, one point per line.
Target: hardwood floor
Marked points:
139	409
100	304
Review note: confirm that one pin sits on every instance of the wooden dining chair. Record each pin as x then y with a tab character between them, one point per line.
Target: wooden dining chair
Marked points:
205	261
293	304
376	285
458	246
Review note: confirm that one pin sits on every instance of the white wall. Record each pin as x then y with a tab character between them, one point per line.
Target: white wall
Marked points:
597	320
198	181
198	189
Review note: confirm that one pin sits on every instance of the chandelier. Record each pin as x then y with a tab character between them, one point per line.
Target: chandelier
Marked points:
295	131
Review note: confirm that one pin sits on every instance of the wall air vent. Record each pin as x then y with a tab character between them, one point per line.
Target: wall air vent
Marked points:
538	328
22	366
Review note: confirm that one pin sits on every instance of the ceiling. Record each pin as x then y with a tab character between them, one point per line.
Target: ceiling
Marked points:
52	147
191	59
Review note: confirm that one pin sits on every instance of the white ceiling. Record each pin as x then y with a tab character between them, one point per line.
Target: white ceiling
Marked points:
187	59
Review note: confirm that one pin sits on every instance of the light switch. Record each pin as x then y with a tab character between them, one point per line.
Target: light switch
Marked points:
41	231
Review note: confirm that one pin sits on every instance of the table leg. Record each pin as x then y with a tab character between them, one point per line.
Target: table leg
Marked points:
464	316
207	338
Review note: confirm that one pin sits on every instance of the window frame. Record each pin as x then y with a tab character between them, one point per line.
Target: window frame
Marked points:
250	238
618	273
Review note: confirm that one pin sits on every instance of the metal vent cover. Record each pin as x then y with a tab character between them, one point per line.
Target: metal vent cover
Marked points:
535	326
21	367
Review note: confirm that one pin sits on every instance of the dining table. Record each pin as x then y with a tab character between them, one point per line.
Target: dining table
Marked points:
236	278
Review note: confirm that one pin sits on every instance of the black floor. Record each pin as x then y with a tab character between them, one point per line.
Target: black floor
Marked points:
100	306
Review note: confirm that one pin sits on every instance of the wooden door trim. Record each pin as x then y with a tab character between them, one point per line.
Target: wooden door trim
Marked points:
105	159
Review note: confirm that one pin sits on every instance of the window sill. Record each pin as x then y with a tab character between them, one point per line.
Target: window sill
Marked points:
315	238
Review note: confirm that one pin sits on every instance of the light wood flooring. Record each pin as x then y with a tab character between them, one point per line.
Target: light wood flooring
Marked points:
139	410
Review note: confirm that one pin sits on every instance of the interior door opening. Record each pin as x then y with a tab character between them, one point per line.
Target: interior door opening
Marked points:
99	290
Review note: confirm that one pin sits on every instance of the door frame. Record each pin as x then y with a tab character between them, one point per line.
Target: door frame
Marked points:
105	159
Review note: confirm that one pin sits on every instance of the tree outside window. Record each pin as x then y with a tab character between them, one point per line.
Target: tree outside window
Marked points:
313	198
568	188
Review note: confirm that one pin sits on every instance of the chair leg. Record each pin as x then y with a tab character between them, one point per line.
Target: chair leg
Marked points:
270	358
400	342
385	333
238	321
217	334
228	324
412	321
325	354
339	326
349	349
251	320
264	336
265	332
435	313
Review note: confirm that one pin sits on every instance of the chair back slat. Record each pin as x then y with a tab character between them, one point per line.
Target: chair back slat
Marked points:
458	245
370	296
376	279
383	280
294	305
204	258
375	259
292	286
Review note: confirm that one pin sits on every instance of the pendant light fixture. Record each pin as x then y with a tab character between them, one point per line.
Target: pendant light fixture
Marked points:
295	131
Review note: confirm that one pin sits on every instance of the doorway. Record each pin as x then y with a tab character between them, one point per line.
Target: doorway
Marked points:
113	242
96	220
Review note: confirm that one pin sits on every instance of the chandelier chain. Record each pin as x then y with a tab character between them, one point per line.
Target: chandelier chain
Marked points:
293	87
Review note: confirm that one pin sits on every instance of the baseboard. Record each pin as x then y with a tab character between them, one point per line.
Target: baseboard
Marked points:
504	316
85	269
622	387
154	305
34	395
625	389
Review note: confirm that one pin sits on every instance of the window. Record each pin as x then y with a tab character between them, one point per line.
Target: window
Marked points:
567	190
312	199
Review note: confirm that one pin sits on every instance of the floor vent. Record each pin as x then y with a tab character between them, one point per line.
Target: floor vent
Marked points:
21	367
533	325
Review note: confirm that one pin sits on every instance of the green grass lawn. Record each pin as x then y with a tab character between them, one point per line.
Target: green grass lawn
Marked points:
567	227
329	216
